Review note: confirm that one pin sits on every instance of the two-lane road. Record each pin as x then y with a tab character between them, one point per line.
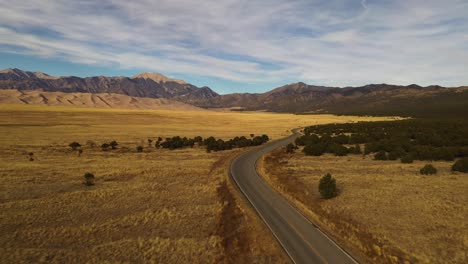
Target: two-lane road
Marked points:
302	241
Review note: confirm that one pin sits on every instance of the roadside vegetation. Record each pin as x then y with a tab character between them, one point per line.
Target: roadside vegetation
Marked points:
404	140
396	181
211	143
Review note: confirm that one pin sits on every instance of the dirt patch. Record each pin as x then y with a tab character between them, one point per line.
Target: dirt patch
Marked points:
229	228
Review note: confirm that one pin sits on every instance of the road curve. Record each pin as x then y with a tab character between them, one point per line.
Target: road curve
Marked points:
302	241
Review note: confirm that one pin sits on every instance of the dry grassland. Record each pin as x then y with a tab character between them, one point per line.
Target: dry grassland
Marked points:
157	206
386	211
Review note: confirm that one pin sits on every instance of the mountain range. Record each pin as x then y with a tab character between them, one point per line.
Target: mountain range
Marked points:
151	85
373	99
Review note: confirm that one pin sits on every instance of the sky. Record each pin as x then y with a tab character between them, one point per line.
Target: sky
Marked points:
242	45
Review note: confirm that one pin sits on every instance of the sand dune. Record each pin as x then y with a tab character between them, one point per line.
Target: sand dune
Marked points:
99	100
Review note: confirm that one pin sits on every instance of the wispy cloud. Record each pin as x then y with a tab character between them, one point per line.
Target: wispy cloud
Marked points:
324	42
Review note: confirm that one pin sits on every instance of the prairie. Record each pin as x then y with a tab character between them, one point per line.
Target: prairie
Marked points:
154	206
386	211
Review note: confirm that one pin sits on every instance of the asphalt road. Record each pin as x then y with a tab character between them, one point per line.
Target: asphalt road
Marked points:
302	241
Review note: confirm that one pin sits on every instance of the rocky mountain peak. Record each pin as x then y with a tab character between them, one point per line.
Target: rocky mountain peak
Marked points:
157	77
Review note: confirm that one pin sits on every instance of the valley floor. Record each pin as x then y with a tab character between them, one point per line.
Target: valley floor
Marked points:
158	205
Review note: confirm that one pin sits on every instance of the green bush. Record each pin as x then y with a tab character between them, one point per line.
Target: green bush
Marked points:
461	165
428	170
381	155
393	155
355	150
327	186
338	150
114	144
105	146
290	148
74	145
407	158
89	179
314	149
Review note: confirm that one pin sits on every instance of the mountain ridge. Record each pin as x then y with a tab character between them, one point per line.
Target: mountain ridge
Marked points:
152	85
375	99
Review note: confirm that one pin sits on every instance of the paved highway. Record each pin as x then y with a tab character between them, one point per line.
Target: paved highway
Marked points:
302	241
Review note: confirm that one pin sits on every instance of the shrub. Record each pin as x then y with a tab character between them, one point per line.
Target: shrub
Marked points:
393	155
327	186
428	169
80	151
461	165
139	149
381	155
407	158
31	156
89	179
114	144
290	148
356	149
105	146
307	140
74	145
338	150
150	141
314	149
341	139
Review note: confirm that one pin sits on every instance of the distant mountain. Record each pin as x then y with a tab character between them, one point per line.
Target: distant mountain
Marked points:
157	77
373	99
152	85
91	100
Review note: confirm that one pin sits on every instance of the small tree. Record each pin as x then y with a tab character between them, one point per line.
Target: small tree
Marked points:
139	149
356	149
290	148
314	149
114	144
31	156
105	146
381	155
252	135
150	141
428	170
393	155
461	165
89	179
408	158
74	145
327	186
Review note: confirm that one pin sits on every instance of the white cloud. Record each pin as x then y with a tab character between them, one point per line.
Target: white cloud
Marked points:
323	42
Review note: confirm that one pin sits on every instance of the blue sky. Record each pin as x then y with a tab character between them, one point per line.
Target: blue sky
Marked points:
242	46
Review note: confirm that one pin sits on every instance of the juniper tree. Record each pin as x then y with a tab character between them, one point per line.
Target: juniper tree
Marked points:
327	186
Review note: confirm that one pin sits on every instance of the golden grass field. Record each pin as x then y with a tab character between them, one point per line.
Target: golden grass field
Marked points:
386	211
158	206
